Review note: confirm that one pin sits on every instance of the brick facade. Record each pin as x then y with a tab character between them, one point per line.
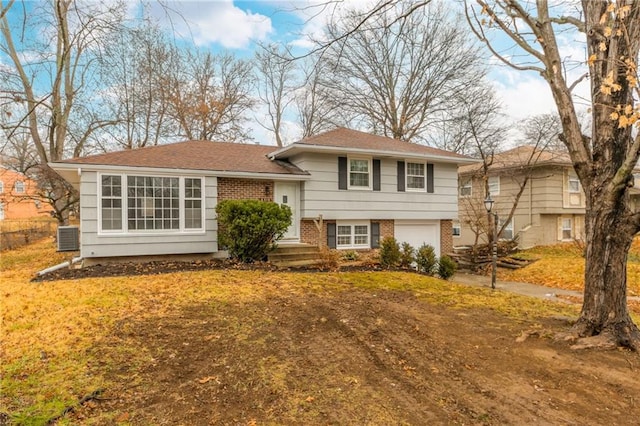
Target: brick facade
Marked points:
446	236
309	232
244	189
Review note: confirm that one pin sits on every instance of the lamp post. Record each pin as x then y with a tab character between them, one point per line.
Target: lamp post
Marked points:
488	205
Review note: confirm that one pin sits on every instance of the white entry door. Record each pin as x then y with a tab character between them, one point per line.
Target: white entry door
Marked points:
288	193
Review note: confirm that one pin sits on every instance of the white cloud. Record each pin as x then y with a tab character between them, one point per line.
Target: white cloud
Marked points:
214	22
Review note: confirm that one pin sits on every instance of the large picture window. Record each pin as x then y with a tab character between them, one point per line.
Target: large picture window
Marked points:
150	203
153	203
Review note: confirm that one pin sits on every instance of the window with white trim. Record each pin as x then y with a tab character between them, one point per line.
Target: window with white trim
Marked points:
192	203
416	176
18	187
352	235
567	229
359	173
456	230
151	203
493	184
111	203
465	188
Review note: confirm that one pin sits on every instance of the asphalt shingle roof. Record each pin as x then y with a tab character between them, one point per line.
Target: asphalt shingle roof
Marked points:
196	155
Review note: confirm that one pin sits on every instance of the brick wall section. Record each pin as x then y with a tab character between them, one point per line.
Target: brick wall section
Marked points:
446	236
386	228
243	189
309	231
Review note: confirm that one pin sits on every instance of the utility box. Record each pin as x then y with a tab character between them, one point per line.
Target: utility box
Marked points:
68	238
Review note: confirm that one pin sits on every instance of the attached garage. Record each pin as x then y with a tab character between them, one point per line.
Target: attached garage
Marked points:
418	232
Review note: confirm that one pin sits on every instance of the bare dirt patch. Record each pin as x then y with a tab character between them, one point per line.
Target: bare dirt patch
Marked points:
357	356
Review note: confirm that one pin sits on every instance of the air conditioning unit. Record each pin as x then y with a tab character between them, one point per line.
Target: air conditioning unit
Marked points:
68	238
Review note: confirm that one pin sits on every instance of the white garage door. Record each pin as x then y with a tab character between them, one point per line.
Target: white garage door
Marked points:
418	232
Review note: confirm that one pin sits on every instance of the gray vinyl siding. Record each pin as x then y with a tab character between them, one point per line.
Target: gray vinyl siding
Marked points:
152	243
321	196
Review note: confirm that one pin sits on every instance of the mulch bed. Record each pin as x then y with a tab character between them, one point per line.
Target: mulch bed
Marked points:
165	267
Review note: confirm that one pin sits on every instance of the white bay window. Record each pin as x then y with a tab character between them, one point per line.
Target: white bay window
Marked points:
150	203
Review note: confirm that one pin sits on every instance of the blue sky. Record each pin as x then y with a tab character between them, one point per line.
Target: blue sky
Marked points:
237	27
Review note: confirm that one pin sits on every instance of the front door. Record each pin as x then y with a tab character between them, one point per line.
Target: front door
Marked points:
287	193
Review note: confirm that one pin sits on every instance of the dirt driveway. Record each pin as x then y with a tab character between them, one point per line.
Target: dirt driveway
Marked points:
359	357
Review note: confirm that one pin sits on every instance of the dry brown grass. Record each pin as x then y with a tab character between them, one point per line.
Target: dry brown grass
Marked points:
562	266
49	329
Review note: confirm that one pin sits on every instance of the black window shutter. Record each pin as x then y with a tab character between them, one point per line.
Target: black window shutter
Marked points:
401	177
375	234
331	235
342	172
430	178
376	175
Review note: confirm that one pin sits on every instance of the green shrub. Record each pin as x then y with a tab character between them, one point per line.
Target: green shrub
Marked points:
249	229
389	252
406	256
426	259
446	267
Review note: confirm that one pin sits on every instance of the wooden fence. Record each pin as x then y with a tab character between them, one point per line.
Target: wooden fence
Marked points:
18	233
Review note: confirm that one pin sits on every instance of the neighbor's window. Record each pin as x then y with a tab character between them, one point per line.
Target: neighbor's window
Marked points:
507	232
359	173
416	176
574	184
18	187
111	202
192	203
493	184
567	229
153	203
456	228
353	235
465	188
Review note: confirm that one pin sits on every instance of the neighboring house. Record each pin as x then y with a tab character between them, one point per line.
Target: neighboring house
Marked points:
19	198
347	189
551	207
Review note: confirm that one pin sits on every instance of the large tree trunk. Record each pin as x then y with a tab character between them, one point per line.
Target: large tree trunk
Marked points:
604	309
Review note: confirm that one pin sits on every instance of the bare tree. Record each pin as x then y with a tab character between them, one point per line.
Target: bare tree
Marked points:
603	161
134	66
50	89
210	96
398	75
315	104
276	86
544	130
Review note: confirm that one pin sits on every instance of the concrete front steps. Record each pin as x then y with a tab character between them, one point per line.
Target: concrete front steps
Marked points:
294	255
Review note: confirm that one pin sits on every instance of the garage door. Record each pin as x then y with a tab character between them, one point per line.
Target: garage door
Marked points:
418	232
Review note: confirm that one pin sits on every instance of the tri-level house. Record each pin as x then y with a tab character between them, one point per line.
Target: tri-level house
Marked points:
550	208
347	190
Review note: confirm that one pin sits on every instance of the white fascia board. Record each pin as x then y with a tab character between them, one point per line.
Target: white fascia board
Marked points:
177	172
293	149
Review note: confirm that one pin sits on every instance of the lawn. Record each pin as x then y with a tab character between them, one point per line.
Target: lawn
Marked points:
562	266
260	347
